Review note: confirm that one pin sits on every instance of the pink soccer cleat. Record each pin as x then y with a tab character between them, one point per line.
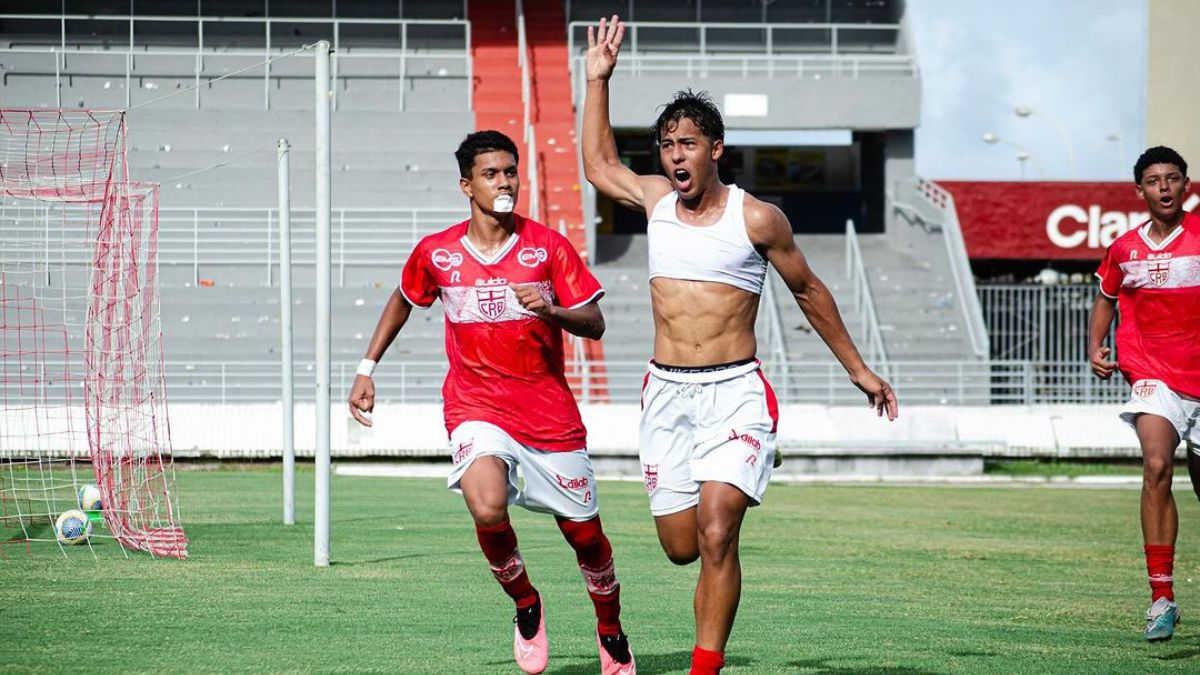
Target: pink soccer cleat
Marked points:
531	649
616	658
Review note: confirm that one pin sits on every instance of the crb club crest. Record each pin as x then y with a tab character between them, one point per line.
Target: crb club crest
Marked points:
531	257
491	301
650	476
445	260
1159	272
1144	388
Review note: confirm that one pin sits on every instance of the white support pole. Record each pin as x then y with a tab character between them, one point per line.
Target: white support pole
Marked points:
321	521
285	331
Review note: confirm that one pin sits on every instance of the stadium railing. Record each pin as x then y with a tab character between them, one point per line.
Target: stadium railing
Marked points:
145	54
780	50
797	382
864	302
1035	321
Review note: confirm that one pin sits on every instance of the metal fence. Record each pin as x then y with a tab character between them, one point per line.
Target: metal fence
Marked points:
824	382
145	49
1035	322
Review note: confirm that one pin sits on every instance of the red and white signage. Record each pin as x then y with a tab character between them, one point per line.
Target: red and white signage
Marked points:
1046	221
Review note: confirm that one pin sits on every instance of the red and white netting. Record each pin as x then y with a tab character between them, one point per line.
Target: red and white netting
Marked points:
83	398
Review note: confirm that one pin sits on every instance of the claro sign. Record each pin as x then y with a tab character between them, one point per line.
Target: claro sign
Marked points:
1047	220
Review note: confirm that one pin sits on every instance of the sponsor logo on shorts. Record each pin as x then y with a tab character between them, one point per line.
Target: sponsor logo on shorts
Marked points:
463	452
530	257
574	484
650	476
1144	388
745	438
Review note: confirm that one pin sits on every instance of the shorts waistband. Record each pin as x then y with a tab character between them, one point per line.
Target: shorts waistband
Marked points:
704	374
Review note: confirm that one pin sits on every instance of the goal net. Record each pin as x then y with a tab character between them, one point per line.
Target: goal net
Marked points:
82	393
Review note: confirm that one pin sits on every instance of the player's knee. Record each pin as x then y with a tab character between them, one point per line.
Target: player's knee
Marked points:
717	540
680	555
585	537
1157	470
486	516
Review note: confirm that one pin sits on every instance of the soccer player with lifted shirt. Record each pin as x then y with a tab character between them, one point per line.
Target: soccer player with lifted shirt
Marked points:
708	415
1153	274
510	287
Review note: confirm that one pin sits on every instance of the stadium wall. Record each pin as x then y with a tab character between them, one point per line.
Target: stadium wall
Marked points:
1061	431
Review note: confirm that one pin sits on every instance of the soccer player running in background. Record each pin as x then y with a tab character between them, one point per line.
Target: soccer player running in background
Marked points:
708	416
509	287
1153	273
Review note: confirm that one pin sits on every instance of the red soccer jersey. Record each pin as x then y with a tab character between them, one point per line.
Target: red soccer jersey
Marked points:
1157	287
506	365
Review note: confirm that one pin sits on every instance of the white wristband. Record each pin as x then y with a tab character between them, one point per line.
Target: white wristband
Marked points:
366	367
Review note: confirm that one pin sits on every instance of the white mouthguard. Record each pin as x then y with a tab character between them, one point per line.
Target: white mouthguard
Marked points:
503	204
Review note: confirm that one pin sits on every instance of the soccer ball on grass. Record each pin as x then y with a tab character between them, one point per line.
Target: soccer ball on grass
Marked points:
73	527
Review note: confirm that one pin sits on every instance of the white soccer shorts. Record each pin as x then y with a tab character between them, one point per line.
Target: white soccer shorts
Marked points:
706	425
1154	397
558	483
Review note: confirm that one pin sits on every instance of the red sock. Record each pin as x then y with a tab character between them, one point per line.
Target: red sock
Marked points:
1160	565
499	544
594	554
705	662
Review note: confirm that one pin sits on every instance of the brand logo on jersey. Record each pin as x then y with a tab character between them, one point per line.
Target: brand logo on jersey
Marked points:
650	476
1144	388
491	301
1133	255
575	484
1159	272
494	281
444	260
530	257
463	452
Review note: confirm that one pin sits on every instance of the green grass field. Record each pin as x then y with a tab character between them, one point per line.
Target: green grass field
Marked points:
837	580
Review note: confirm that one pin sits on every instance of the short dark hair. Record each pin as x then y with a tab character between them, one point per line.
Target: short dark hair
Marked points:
695	106
479	143
1159	154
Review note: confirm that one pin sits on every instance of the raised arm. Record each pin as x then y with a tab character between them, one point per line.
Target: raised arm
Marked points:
771	232
395	315
1103	310
601	165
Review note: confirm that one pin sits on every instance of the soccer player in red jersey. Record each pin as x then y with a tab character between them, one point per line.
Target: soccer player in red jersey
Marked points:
709	417
1153	274
510	287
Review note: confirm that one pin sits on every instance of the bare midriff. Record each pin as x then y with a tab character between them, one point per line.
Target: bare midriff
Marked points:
702	323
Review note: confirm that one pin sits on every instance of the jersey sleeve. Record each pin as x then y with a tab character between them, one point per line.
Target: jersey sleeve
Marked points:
1110	273
416	281
574	285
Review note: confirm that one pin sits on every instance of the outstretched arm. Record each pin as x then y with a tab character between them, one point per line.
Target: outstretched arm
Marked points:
1103	311
362	393
586	321
601	165
770	230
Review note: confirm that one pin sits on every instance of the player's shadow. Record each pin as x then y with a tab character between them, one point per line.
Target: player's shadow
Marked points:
1190	650
822	666
377	561
647	664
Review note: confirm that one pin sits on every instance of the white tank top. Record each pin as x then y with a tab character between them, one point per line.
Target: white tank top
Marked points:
720	252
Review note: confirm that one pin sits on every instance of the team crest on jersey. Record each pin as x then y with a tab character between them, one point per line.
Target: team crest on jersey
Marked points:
1144	388
650	476
1159	272
531	257
445	260
491	301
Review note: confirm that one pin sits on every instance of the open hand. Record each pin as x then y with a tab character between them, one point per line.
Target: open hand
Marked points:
880	395
603	45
